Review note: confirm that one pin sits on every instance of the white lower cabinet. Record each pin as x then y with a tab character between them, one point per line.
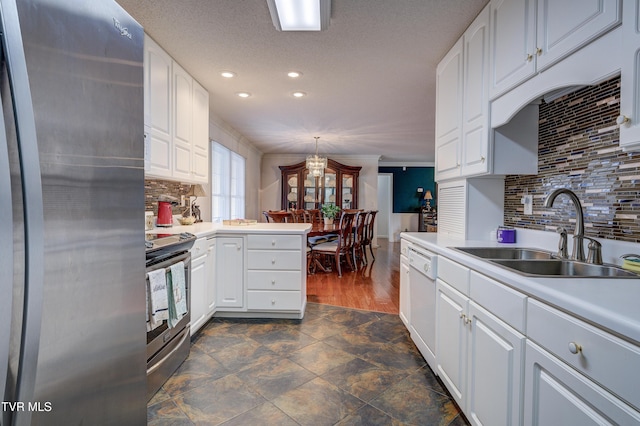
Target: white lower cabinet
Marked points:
276	280
404	290
558	395
202	281
479	356
230	273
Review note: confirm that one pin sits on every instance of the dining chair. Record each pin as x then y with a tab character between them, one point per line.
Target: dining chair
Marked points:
280	216
266	216
298	215
357	249
341	247
369	226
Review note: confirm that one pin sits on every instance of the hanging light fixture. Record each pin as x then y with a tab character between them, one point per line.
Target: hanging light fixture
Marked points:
315	163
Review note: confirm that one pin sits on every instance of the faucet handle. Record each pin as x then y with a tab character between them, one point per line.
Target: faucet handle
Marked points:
595	252
563	252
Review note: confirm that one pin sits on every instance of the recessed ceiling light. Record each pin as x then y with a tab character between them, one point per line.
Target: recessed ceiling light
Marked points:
299	94
294	74
228	74
243	94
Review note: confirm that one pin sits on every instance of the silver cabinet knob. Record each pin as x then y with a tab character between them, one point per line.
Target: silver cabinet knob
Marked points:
623	119
574	348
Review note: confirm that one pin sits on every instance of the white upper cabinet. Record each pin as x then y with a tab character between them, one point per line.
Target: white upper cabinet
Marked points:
513	43
448	113
200	136
475	109
157	109
529	36
462	103
176	119
629	119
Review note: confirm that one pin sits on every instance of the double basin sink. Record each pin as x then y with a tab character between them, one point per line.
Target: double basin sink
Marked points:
541	263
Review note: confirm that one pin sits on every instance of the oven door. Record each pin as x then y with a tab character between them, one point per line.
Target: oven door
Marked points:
168	347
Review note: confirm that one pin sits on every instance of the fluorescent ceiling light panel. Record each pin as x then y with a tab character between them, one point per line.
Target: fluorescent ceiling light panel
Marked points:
300	15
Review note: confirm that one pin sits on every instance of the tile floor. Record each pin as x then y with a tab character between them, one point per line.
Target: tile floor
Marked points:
337	366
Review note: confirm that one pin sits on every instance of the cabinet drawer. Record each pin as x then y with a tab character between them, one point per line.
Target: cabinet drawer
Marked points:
507	304
454	274
275	259
274	280
274	300
603	357
276	242
199	248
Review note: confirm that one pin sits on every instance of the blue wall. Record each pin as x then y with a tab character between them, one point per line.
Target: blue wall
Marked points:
405	184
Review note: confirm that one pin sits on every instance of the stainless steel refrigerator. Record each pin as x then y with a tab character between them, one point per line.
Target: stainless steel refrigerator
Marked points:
72	262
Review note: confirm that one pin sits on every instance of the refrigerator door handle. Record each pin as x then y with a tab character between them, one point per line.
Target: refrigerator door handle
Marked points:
6	260
32	205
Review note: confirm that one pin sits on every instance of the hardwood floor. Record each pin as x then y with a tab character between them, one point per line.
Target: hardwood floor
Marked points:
374	287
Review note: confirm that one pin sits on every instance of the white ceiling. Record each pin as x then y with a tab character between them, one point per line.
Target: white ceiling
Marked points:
370	78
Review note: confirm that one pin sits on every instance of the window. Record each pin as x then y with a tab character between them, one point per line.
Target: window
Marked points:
227	184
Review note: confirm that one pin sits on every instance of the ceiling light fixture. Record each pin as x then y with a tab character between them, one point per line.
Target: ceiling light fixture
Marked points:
294	74
243	94
228	74
300	15
316	164
299	94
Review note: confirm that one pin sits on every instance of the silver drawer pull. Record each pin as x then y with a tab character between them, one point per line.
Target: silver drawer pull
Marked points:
273	242
273	261
574	348
273	282
273	301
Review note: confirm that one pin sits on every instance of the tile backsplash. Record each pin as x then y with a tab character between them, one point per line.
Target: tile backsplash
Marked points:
578	148
156	187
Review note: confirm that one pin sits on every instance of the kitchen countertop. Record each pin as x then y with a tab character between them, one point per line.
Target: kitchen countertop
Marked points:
613	304
207	228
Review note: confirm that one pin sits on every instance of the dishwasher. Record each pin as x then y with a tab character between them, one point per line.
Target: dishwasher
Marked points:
422	288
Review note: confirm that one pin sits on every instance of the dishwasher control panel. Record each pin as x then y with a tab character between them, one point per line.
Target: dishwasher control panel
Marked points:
423	261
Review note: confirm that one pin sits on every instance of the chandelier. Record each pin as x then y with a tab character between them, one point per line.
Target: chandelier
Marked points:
315	163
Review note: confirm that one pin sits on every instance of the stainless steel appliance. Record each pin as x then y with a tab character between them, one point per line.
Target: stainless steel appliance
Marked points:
72	335
168	347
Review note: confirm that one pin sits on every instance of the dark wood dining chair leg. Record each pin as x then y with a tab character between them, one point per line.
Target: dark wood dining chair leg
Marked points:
336	258
371	250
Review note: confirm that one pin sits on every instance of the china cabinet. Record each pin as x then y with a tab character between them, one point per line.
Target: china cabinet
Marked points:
301	190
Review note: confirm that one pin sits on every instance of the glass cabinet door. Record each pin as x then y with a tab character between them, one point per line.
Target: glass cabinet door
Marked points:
347	191
329	190
310	191
292	191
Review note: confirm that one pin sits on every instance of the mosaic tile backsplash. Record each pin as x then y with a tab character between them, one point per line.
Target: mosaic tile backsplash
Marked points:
578	149
156	187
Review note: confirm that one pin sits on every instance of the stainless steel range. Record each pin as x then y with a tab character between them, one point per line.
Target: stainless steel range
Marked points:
167	344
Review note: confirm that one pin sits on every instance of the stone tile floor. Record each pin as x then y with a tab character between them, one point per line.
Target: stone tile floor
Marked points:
337	366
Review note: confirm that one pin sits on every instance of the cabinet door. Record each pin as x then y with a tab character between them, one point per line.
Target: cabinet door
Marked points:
513	44
404	291
630	83
555	394
451	339
565	26
200	143
199	312
229	272
475	110
211	276
157	109
448	113
182	122
495	370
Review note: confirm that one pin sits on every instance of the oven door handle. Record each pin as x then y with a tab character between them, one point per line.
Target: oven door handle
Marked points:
170	354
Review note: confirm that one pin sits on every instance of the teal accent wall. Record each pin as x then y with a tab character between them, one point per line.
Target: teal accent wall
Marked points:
406	180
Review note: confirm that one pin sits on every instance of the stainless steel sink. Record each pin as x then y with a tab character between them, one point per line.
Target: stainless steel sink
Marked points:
505	252
563	268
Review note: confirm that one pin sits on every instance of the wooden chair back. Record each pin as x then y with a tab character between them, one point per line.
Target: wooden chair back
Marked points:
280	216
313	216
298	215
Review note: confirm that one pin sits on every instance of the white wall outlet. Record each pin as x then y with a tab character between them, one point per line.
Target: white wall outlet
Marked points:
527	201
182	200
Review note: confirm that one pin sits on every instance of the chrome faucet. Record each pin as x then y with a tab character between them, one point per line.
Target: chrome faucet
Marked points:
578	233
